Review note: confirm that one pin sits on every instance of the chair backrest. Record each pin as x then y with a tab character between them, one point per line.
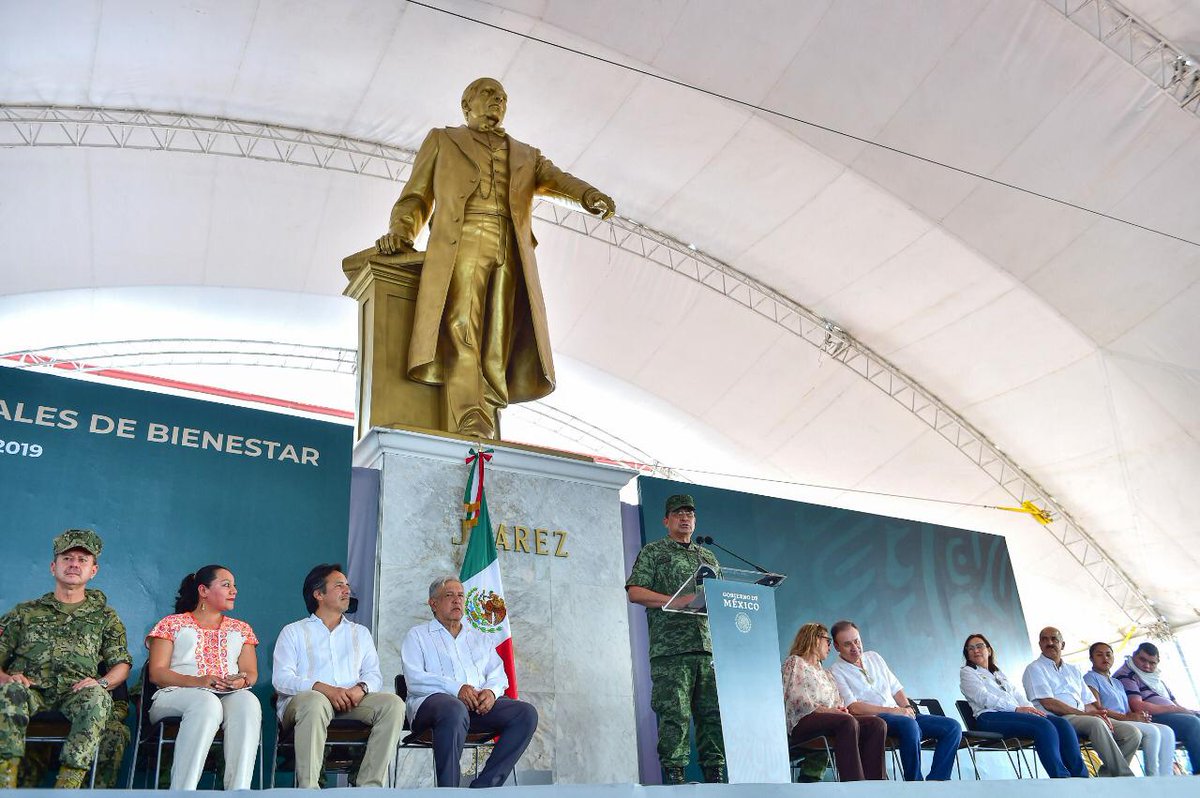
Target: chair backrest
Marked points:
930	706
968	714
149	688
401	687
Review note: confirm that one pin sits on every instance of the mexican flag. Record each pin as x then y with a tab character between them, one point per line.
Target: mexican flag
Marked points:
480	574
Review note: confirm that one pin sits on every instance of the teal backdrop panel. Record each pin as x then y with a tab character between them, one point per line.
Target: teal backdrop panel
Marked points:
170	484
915	590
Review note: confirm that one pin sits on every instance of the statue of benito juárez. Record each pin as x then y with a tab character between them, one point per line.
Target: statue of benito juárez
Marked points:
479	330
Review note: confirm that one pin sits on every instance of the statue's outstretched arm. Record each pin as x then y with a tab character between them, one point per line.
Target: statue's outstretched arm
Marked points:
554	181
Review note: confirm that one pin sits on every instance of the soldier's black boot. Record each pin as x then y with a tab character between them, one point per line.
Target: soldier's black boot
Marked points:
673	775
714	774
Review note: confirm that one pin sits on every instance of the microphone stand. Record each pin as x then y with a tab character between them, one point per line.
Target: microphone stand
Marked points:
770	579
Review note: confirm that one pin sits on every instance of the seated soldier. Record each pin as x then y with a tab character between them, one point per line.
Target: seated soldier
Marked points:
456	683
51	649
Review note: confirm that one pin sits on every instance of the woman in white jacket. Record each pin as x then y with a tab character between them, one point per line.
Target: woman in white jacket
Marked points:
1001	706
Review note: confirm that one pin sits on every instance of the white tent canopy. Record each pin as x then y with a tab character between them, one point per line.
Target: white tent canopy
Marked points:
1071	341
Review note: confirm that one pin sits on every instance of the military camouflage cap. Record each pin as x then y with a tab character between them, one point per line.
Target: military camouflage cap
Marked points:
679	500
84	539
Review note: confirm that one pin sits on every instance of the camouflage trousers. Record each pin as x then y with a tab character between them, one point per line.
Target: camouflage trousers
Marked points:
684	687
113	741
88	710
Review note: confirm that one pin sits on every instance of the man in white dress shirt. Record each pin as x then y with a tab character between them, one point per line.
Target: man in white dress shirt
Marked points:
456	685
869	687
1058	687
326	667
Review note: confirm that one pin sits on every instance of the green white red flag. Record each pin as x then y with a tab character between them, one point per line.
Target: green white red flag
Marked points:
480	574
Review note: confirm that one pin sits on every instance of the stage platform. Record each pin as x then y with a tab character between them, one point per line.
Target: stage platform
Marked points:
1175	787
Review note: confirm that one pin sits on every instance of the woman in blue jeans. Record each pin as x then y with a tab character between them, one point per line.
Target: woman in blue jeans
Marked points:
1001	706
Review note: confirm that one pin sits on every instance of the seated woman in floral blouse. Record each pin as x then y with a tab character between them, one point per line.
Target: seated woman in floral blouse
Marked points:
814	708
203	664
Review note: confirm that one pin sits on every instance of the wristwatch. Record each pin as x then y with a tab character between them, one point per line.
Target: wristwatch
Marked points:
366	690
102	682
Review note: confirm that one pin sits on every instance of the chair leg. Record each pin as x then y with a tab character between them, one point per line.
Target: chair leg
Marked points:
158	762
974	763
832	759
93	768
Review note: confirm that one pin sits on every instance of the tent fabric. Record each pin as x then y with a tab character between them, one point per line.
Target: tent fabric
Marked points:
1072	341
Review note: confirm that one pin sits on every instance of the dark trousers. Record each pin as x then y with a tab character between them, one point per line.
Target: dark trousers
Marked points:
857	742
909	732
514	722
1055	740
1187	731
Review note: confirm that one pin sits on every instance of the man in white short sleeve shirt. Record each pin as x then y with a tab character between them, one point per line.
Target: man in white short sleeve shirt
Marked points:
326	667
1058	687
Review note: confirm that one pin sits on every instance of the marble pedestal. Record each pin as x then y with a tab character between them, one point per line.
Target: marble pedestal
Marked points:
564	588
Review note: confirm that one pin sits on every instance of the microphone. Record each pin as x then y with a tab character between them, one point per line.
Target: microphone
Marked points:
770	580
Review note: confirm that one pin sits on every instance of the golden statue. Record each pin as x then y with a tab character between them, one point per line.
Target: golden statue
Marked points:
479	328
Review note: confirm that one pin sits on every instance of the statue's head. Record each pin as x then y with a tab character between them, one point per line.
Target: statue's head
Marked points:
484	103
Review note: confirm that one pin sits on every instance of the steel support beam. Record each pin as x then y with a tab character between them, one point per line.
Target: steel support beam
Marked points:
1171	69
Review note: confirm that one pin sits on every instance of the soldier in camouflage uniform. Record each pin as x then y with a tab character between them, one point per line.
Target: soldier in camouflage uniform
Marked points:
50	652
684	685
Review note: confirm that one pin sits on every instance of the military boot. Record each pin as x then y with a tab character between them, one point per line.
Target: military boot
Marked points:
674	775
69	778
714	774
8	773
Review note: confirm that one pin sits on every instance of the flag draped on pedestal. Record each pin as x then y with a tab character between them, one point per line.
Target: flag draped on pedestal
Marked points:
480	574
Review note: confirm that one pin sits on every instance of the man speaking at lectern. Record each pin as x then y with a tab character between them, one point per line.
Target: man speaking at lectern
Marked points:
684	684
480	327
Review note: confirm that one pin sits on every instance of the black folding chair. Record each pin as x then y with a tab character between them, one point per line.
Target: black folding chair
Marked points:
800	749
475	741
977	740
53	727
152	737
931	706
345	744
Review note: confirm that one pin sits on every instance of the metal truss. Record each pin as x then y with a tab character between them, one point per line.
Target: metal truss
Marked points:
107	128
1170	68
588	437
39	126
100	355
150	352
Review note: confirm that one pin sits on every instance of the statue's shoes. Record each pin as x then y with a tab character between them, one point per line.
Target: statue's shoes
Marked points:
476	425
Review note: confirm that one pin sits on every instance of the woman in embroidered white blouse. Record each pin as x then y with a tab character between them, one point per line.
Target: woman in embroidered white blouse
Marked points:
1001	706
203	663
814	709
